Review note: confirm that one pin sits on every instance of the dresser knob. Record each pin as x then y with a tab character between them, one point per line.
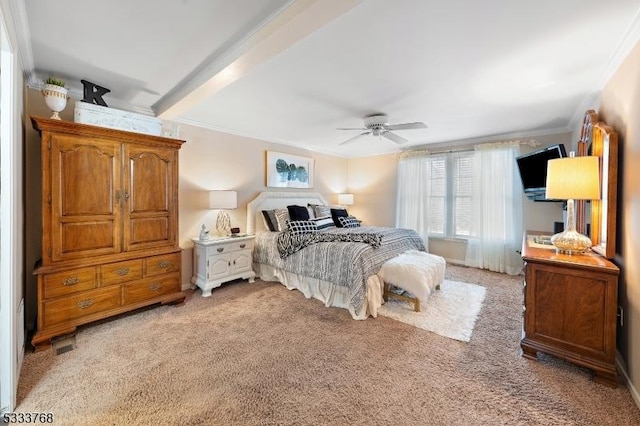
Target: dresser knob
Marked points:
164	264
155	287
243	245
220	249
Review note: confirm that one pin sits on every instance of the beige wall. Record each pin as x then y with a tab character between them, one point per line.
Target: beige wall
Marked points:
620	108
215	160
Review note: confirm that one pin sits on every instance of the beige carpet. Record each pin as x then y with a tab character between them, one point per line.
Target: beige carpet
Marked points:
450	312
258	354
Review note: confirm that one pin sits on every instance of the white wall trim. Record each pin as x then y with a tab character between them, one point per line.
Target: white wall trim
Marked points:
14	14
622	368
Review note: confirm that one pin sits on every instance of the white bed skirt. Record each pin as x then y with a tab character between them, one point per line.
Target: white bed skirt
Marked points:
325	291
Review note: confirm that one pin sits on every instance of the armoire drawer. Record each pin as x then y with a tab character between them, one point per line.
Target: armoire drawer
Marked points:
81	304
150	288
67	282
114	273
158	265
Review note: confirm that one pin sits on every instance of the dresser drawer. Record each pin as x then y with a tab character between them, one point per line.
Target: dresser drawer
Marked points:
120	272
158	265
67	282
150	288
79	305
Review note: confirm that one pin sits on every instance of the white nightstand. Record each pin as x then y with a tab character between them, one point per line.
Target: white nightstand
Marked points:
219	260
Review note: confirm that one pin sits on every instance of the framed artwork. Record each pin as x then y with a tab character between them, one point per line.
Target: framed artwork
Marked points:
289	171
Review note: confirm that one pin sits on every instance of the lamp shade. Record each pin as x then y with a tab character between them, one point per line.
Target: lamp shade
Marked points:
576	178
223	199
345	199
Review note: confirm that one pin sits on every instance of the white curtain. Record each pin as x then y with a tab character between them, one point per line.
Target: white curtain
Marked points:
413	189
497	206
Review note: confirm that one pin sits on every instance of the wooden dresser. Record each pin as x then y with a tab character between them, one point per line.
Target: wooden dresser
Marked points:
109	225
570	304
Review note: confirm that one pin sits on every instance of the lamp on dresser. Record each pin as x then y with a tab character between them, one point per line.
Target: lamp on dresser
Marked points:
572	178
222	201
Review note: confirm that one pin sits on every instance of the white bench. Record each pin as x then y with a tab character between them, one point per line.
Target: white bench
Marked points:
416	272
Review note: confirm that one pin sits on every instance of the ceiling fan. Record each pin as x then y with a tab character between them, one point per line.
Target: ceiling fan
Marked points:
378	125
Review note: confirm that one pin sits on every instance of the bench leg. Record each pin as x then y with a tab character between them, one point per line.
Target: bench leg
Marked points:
416	305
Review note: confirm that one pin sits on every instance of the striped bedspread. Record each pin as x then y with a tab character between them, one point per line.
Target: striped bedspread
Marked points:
346	264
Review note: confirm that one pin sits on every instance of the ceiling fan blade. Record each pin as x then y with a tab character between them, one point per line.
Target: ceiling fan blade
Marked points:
394	138
351	128
354	138
407	126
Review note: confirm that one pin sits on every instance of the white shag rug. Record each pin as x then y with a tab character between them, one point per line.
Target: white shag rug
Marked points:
450	312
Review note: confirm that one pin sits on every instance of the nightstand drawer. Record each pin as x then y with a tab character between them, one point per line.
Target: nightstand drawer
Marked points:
150	288
120	272
229	246
79	305
69	282
159	265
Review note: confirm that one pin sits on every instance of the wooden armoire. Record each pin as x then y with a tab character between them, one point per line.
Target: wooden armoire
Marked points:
109	225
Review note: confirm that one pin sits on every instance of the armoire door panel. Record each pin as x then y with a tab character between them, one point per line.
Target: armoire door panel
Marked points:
87	177
84	184
148	167
149	230
86	237
150	181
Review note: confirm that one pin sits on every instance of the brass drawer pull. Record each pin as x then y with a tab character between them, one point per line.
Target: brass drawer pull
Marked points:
164	264
122	271
84	304
243	245
71	281
220	249
155	287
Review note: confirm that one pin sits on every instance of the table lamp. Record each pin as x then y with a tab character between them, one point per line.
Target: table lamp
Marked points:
223	200
345	199
572	178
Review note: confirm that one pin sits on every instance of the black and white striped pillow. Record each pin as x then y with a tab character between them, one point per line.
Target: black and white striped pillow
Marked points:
349	222
324	222
321	211
302	226
282	216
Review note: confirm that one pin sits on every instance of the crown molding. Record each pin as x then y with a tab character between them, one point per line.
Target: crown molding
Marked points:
14	14
628	42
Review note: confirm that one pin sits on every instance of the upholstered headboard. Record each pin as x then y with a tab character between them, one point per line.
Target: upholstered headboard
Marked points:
273	200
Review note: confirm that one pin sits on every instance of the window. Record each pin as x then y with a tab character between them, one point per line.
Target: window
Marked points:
450	178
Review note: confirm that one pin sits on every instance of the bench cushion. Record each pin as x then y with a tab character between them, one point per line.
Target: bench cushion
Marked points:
415	271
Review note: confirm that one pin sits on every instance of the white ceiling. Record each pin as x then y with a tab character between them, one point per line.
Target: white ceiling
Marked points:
294	71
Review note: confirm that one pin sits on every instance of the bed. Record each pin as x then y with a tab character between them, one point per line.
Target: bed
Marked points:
340	274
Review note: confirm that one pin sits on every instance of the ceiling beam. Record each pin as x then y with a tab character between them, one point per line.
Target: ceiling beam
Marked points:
275	34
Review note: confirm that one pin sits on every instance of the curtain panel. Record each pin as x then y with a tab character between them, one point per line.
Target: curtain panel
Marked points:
413	189
497	204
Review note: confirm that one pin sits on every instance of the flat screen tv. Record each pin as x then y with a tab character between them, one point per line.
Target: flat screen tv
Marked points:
533	170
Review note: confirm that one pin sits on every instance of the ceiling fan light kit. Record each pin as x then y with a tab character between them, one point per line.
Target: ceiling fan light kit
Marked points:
378	125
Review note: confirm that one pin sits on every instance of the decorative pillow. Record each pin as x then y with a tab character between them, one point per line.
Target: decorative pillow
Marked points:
269	219
298	227
348	222
282	216
324	222
312	214
298	212
320	210
336	213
